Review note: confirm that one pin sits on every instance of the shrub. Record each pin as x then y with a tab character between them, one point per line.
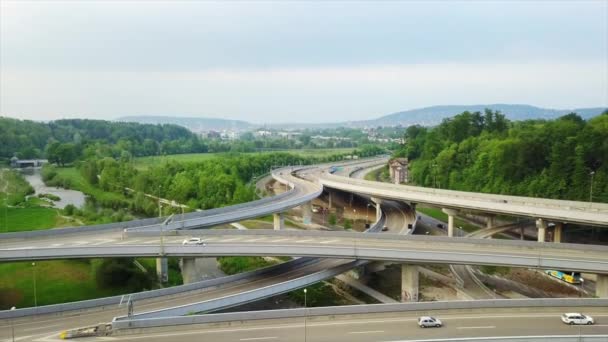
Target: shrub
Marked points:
69	209
332	219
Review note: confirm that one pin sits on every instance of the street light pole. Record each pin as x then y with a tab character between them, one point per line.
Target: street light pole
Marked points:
591	186
305	315
35	295
13	326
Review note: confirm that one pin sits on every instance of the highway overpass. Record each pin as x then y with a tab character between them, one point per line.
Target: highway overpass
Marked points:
557	211
343	245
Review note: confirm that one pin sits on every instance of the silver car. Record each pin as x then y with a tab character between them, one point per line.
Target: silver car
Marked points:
193	241
428	321
577	318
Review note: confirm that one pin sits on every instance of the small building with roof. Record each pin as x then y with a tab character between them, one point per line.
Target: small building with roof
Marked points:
399	170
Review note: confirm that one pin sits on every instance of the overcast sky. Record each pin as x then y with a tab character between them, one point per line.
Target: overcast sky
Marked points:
296	61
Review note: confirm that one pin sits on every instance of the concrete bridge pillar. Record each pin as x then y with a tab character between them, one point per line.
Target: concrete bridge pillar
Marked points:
378	202
542	229
279	221
162	269
601	286
329	199
451	213
409	283
557	232
490	221
188	270
307	213
522	231
197	269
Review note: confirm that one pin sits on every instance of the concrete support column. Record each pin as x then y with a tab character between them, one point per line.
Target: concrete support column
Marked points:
409	283
542	229
522	233
189	270
601	286
329	195
162	269
557	233
307	213
490	221
451	213
378	203
279	221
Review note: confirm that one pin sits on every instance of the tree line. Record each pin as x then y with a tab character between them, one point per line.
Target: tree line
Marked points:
485	152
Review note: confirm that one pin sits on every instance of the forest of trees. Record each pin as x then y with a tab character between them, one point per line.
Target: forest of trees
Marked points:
64	141
218	181
486	152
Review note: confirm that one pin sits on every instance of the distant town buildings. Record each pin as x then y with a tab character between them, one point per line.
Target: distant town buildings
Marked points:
399	170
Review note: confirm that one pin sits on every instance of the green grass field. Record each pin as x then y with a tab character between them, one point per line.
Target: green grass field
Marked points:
56	282
145	162
23	219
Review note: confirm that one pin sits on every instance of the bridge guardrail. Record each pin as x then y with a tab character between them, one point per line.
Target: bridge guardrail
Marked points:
421	308
245	297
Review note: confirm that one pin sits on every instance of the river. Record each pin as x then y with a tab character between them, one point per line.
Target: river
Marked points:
73	197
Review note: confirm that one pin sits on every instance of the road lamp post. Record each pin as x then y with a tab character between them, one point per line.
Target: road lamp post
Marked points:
305	315
34	274
6	208
434	175
13	326
591	186
160	214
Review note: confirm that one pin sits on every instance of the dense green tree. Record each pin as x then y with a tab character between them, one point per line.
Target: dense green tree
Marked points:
488	153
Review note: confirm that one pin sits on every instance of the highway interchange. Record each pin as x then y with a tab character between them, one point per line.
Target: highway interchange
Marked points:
397	327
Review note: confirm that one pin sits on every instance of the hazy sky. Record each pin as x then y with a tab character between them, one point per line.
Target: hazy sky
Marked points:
296	61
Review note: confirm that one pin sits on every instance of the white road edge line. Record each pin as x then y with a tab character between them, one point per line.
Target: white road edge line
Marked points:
367	332
486	327
258	338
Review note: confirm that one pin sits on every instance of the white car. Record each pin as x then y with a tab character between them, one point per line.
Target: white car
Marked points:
193	241
577	318
427	321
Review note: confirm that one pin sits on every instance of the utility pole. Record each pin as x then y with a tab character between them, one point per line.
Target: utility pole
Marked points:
591	186
13	326
305	315
35	295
